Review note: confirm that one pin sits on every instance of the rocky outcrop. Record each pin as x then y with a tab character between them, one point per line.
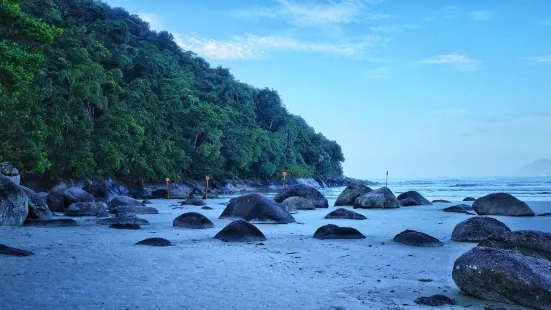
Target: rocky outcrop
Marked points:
331	231
415	238
155	242
415	196
105	188
381	198
193	220
56	201
256	208
351	193
240	231
303	191
501	204
476	229
14	203
514	267
86	209
345	214
10	171
292	204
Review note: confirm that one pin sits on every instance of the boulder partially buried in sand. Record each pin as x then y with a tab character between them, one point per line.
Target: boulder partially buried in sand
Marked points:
194	202
459	209
381	198
134	210
501	204
155	242
469	199
126	226
303	191
345	214
240	231
441	201
256	208
415	238
50	222
86	209
435	301
351	193
408	202
293	204
14	203
123	219
415	196
8	250
478	229
331	231
514	267
193	220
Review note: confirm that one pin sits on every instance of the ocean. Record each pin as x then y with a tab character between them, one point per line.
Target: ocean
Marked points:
455	189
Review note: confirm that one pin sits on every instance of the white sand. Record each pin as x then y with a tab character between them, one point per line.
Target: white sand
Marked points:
95	267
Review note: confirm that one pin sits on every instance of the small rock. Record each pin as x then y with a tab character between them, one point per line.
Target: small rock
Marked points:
434	301
207	208
415	238
331	231
193	220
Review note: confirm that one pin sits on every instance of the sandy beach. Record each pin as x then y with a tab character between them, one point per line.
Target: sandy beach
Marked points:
93	266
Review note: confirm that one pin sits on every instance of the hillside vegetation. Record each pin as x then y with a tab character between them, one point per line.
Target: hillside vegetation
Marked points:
90	90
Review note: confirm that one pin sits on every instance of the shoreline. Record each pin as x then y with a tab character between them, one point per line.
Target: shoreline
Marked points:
93	266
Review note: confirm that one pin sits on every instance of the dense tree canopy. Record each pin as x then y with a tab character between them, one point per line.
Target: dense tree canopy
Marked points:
115	98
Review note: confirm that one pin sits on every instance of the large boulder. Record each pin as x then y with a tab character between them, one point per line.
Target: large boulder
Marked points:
479	228
134	210
514	267
331	231
77	194
501	204
56	201
303	191
380	198
38	208
193	220
86	209
256	208
14	203
124	201
415	196
106	189
415	238
345	214
408	202
11	172
292	204
240	231
351	193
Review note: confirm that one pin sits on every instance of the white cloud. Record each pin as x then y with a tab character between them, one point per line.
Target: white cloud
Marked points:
320	12
543	59
461	62
481	15
379	73
253	46
155	22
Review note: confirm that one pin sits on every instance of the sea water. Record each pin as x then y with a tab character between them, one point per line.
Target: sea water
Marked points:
456	189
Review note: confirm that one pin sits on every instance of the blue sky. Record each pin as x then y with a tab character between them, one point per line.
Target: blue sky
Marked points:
432	88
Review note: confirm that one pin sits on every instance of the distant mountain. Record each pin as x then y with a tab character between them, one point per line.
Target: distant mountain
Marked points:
538	168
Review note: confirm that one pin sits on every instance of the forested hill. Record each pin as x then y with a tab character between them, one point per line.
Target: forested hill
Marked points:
114	98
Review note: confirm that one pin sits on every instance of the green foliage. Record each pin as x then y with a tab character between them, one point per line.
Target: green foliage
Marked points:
118	99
